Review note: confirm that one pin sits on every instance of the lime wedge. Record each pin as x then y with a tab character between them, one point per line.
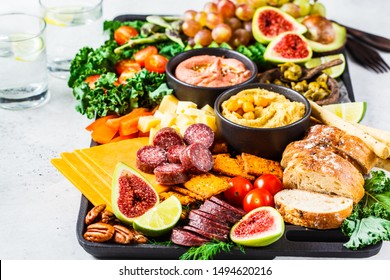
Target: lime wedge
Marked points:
352	112
26	47
160	219
334	71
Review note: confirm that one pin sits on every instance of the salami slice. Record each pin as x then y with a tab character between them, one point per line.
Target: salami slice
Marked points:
174	152
183	237
197	159
224	216
199	133
149	157
238	211
206	234
170	174
167	137
212	217
208	228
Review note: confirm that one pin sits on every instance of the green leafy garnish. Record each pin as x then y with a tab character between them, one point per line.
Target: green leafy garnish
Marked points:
208	250
369	222
256	53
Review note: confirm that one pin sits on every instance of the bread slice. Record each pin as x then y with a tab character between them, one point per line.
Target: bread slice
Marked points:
311	209
324	172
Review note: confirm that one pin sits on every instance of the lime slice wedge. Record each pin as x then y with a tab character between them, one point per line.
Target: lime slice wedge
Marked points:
334	71
352	112
26	47
160	219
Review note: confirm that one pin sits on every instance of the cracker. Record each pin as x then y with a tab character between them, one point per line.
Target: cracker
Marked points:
258	166
184	199
226	165
206	185
187	192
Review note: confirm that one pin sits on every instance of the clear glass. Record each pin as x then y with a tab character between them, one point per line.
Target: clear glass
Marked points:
71	25
23	71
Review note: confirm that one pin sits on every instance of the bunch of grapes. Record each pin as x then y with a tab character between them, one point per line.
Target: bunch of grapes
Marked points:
230	21
221	21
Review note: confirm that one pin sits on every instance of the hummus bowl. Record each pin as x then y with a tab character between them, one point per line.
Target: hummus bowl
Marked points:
267	142
202	94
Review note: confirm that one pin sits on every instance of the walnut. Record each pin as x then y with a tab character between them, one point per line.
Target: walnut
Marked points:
99	232
94	213
123	235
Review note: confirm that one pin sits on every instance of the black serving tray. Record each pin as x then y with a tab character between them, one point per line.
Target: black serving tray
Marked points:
295	242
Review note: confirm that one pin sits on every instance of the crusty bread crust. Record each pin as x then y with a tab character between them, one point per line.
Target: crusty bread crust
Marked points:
296	207
324	172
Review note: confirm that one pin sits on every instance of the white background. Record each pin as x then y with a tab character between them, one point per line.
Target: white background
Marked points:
39	207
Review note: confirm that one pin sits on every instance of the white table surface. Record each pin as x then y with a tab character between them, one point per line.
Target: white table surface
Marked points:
39	207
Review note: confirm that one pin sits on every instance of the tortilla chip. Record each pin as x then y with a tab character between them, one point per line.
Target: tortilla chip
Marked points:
257	166
224	164
206	185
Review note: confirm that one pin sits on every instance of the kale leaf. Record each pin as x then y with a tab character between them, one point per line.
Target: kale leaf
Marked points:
369	222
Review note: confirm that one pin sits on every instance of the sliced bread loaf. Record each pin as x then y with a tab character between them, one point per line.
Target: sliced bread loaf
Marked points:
324	172
311	209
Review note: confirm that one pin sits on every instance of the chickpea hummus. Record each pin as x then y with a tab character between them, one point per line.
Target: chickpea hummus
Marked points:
261	108
212	71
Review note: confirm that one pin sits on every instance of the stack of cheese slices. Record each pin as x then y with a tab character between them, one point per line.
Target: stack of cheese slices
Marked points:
323	177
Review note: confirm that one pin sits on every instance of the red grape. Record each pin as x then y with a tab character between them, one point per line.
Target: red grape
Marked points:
221	33
191	27
226	8
213	19
203	37
244	12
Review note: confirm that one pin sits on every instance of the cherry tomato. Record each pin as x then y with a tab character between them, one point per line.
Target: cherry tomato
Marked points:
127	74
91	80
156	63
269	182
126	64
238	190
257	198
141	55
124	33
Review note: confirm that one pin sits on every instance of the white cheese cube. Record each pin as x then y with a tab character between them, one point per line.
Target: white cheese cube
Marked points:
193	112
208	109
183	105
168	104
145	123
168	119
158	114
207	120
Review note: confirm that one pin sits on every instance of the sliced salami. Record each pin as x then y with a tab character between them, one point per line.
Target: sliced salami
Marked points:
208	228
167	137
199	133
183	237
174	152
149	157
170	174
212	217
223	215
197	216
238	211
197	159
206	234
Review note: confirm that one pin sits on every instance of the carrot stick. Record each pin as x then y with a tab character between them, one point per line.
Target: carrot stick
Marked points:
99	121
114	123
128	126
103	134
123	137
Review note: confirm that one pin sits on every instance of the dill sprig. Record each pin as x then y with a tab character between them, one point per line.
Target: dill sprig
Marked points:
208	250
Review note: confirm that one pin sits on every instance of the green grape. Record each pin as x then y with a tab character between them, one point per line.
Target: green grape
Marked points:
318	8
304	6
291	9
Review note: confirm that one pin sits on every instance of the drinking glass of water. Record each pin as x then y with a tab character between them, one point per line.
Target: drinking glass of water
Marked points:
23	71
71	25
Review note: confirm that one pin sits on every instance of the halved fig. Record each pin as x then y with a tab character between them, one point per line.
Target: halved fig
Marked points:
269	22
288	47
260	227
132	195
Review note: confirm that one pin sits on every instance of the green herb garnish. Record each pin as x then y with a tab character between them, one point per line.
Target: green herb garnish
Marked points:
208	250
369	222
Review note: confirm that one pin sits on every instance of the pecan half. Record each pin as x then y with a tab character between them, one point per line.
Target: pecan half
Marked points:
99	232
139	238
123	235
94	213
107	217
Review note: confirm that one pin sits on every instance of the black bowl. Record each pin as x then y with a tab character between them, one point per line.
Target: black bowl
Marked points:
199	94
264	142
